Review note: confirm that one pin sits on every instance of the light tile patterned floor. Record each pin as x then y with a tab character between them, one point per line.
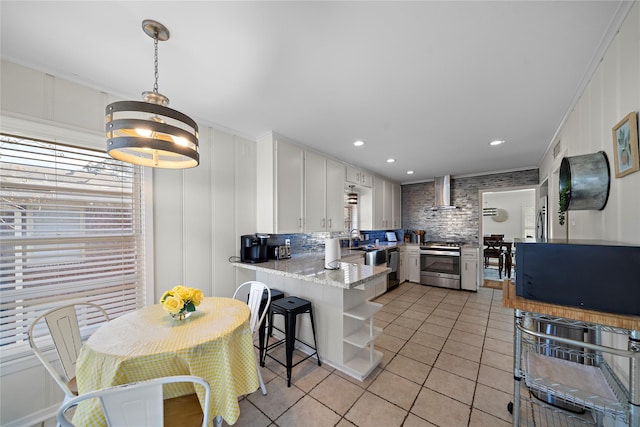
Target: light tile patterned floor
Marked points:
447	362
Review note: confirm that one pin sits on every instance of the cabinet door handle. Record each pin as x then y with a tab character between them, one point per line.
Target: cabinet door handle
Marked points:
330	225
323	222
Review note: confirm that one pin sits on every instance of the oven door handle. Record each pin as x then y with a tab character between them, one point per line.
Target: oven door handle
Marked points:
440	253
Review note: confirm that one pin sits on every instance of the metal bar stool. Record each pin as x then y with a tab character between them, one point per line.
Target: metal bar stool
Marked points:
290	307
262	348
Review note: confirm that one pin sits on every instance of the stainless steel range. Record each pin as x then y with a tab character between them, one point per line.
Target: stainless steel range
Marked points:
440	264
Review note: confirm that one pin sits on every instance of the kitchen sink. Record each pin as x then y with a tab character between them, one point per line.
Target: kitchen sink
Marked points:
365	248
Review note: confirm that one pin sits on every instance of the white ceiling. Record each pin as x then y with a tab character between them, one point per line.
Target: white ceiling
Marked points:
429	83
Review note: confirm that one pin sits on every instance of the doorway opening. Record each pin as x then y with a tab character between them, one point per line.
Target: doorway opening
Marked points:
506	214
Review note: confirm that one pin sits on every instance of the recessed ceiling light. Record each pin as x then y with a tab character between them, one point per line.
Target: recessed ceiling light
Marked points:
409	172
497	142
391	160
358	143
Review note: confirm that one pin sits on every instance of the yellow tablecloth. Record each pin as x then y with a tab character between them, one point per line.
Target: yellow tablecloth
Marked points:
214	343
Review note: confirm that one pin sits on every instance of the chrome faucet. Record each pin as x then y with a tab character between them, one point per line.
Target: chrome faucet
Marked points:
354	233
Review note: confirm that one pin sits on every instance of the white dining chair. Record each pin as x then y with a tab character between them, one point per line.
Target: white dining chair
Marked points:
142	404
252	293
60	327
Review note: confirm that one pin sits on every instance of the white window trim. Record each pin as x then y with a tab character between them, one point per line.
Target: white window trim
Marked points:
56	132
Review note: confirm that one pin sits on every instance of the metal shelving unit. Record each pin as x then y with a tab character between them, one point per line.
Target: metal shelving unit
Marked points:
574	373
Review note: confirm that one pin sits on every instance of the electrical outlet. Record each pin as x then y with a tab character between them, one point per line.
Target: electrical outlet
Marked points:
287	242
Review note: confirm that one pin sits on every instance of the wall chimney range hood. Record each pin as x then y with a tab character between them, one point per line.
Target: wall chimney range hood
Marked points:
442	192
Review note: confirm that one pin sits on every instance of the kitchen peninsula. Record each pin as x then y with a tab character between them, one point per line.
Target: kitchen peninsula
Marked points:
342	311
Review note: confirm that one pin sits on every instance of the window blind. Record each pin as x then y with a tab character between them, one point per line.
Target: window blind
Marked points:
71	229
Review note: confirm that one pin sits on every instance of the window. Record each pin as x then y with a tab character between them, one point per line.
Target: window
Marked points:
71	229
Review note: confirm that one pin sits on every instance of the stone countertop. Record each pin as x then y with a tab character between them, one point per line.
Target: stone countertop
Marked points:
387	245
371	247
310	267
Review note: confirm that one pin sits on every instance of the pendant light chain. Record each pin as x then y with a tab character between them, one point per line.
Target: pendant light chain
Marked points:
148	132
155	63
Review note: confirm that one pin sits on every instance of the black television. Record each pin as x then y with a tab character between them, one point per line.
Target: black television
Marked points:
591	274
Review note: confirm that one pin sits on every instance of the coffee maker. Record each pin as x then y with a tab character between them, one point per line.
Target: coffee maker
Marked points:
253	248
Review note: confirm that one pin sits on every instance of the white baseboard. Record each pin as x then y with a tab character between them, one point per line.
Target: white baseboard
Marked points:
35	418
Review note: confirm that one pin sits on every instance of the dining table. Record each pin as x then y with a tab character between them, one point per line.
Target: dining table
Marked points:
215	342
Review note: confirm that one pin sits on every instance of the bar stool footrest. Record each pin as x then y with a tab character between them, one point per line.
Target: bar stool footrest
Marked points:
315	353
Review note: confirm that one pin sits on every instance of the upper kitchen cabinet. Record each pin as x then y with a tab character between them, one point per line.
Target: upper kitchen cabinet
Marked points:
396	213
324	194
381	203
386	204
280	176
358	177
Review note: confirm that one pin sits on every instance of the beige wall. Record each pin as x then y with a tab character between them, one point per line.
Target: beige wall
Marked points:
195	216
612	93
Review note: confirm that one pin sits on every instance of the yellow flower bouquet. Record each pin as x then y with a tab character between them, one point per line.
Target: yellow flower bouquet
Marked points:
181	301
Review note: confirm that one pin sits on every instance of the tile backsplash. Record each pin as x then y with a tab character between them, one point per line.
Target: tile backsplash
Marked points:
460	224
314	242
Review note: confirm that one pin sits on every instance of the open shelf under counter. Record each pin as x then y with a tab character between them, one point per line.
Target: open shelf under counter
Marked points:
364	311
363	363
364	336
360	355
342	311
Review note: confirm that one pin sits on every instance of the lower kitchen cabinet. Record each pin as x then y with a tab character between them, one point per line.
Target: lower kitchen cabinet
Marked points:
469	267
374	291
403	265
413	267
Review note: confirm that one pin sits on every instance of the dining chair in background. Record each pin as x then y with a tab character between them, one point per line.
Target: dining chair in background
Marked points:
142	404
60	326
252	293
493	249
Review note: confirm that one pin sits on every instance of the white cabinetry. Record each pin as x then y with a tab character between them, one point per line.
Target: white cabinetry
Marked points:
414	264
381	209
279	185
404	264
396	213
386	204
469	267
297	191
359	177
324	195
335	195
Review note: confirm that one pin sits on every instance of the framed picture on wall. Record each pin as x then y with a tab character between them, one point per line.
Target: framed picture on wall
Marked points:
625	145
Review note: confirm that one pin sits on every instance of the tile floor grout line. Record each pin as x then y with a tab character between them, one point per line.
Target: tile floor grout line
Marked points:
475	386
435	303
423	385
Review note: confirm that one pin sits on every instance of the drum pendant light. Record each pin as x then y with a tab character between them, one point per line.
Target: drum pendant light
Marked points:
352	196
149	133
